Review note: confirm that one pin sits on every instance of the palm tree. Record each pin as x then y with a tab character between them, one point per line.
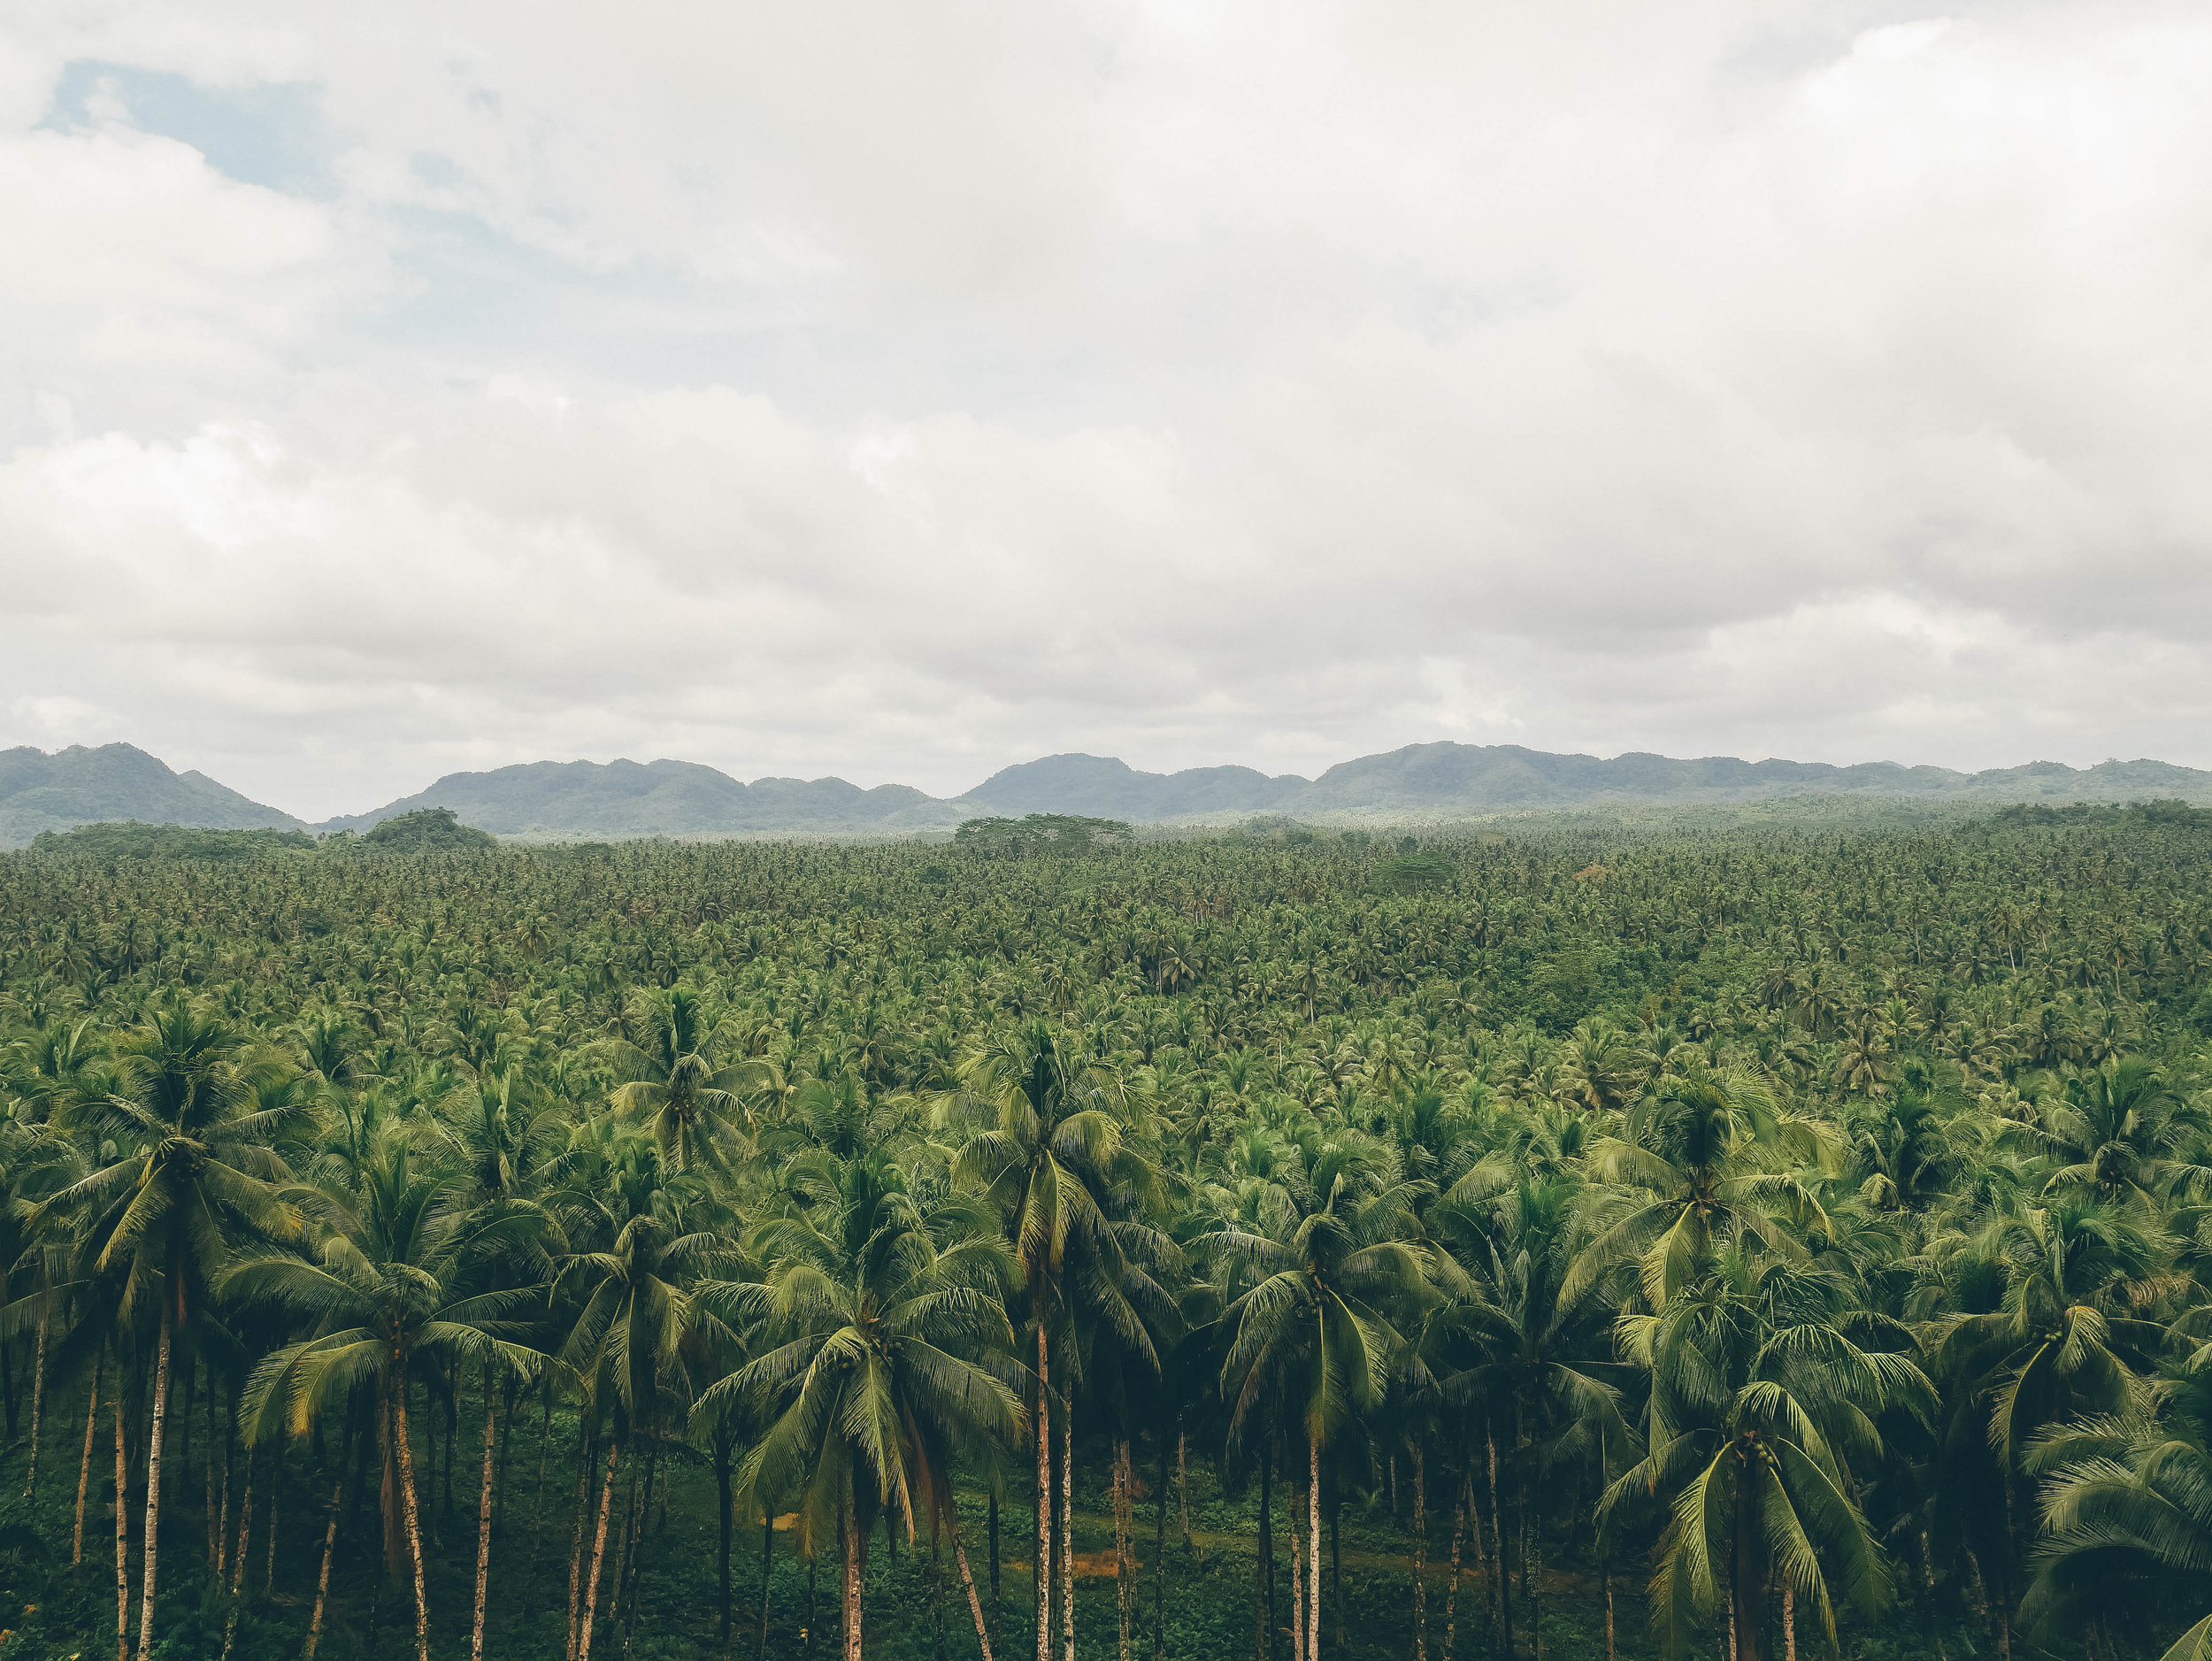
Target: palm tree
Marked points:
1762	1399
675	1074
2062	1341
2117	1134
892	1353
201	1175
1706	1149
1315	1331
658	1235
1061	1164
2126	1506
395	1293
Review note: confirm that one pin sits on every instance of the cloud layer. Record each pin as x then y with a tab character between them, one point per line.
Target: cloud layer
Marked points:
903	390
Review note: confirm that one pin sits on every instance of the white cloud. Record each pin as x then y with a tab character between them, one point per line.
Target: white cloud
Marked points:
906	390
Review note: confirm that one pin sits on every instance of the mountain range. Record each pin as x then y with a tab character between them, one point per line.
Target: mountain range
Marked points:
549	799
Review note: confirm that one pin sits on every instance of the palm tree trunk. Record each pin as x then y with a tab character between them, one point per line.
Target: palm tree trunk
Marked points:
84	1467
1789	1622
1497	1549
484	1522
848	1540
1451	1587
1748	1575
1313	1548
276	1492
1420	1557
414	1522
723	1520
38	1402
1042	1568
1605	1576
1267	1552
1067	1535
330	1550
537	1491
1159	1561
160	1418
975	1603
767	1563
1125	1541
245	1533
1182	1482
122	1537
598	1551
584	1453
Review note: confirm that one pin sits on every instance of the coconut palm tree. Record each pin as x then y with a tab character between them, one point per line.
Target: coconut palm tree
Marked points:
892	1353
1719	1160
394	1291
1330	1287
1062	1159
1766	1387
677	1076
198	1174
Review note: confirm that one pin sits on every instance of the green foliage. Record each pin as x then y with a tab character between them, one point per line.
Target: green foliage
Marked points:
1063	833
427	830
131	840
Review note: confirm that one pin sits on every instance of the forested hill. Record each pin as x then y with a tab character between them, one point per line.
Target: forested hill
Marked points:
1421	782
78	786
1449	780
664	798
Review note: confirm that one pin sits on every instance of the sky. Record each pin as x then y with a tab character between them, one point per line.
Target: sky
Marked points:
903	391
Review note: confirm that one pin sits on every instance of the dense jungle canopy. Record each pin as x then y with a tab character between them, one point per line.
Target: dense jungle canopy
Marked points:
1586	1237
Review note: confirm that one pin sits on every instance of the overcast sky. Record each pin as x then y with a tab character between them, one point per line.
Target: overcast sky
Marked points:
903	390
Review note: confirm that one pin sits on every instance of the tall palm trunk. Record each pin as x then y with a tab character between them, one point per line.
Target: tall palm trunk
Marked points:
1159	1561
1420	1557
576	1542
414	1522
122	1538
1124	1545
38	1403
722	1522
975	1603
484	1522
767	1565
1451	1587
1067	1535
598	1551
1042	1567
153	1485
84	1467
1182	1481
330	1550
1747	1576
1313	1548
850	1547
245	1534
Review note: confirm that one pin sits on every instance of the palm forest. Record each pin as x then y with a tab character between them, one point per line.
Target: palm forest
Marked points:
1729	1236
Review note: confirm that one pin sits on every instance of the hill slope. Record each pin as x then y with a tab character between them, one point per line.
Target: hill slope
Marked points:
1450	779
663	798
77	786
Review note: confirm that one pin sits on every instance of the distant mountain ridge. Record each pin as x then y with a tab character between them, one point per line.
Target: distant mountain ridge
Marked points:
81	786
1434	782
661	798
